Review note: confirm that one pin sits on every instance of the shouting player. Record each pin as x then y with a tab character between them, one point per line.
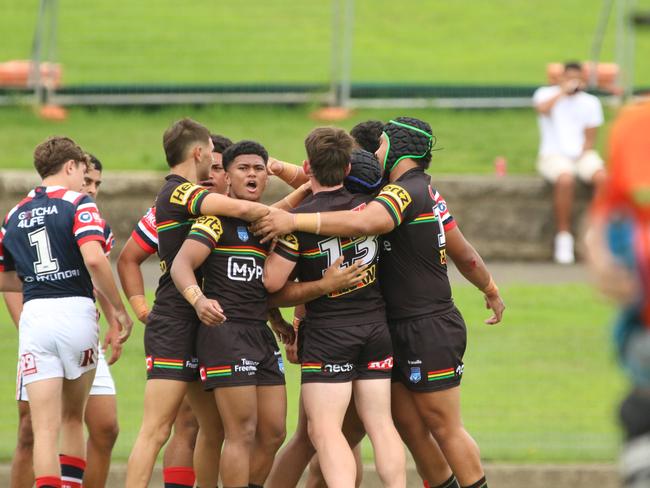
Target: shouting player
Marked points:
188	457
101	409
345	345
429	335
51	246
170	334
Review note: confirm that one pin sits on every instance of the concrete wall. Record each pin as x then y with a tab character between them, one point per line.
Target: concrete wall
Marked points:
506	218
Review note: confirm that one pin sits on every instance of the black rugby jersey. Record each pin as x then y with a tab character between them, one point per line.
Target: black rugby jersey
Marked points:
233	272
313	254
413	271
40	240
177	205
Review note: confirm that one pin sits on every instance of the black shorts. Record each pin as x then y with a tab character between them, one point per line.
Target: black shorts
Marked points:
342	354
170	347
429	351
239	354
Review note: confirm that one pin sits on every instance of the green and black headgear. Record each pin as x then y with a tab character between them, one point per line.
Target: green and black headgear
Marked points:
407	138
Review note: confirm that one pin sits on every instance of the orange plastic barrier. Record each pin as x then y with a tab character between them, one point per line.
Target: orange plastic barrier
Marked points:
16	74
607	75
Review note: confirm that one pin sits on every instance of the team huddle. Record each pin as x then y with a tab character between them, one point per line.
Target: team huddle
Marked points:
359	248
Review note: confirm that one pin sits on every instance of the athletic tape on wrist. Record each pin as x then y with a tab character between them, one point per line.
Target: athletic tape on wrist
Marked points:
192	294
309	222
139	306
491	288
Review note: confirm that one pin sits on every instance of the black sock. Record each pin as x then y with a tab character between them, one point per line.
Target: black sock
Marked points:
482	483
452	482
251	485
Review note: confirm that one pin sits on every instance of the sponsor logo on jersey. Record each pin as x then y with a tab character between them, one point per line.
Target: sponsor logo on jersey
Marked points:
387	245
244	268
182	193
242	233
28	364
35	216
59	275
417	361
369	278
416	375
338	368
399	194
460	369
85	217
192	363
87	357
443	256
384	364
210	225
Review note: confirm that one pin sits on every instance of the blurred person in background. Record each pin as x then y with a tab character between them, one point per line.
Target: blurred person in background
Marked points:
568	123
618	245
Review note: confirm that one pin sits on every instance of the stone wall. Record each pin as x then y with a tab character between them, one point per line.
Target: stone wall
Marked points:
506	218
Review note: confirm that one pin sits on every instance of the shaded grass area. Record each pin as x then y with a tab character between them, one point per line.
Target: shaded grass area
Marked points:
542	387
470	42
131	139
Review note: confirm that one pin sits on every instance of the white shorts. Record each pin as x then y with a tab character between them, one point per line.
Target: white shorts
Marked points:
551	167
102	385
58	338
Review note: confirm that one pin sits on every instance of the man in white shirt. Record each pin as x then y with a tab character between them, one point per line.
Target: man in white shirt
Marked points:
568	122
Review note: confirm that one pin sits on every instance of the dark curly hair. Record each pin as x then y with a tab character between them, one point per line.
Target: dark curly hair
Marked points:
366	134
243	147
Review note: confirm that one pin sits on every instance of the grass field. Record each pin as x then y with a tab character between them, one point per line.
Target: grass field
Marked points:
125	139
469	41
542	387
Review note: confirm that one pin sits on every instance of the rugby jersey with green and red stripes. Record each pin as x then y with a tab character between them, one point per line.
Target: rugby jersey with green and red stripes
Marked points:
313	254
413	271
233	271
178	203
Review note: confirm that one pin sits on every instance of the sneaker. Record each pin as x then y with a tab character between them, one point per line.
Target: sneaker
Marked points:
564	248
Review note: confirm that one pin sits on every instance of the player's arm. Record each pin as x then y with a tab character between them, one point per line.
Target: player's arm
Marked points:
102	276
293	199
111	339
372	220
291	174
335	278
215	204
277	270
192	255
472	267
14	302
128	269
9	281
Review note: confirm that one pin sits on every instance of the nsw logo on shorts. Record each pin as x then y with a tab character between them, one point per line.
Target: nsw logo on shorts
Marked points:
416	375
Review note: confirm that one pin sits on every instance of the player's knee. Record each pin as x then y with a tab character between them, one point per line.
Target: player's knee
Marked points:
104	435
564	181
273	436
187	429
244	432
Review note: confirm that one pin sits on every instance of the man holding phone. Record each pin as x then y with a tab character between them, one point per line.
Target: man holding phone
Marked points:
568	122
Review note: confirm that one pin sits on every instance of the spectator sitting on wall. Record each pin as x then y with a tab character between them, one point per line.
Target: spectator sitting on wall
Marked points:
568	122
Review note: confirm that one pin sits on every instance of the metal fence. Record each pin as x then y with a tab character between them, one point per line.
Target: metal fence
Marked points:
337	52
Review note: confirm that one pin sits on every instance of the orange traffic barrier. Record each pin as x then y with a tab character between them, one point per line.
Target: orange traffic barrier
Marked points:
17	74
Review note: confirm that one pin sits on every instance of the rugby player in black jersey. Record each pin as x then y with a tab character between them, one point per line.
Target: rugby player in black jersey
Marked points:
170	335
239	359
428	333
345	344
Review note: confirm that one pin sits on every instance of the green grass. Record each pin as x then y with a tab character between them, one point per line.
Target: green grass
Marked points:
542	387
130	139
500	41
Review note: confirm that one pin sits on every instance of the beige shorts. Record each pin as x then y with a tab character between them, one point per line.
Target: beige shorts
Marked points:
551	167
